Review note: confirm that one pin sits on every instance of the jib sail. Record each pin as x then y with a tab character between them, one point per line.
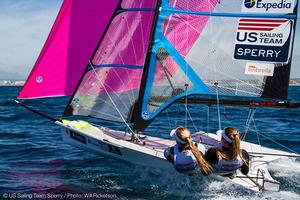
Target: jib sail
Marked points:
110	87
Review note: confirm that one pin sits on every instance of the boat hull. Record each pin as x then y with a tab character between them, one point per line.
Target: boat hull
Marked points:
111	148
150	151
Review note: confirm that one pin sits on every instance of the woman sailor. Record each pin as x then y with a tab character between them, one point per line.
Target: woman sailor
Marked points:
227	157
185	155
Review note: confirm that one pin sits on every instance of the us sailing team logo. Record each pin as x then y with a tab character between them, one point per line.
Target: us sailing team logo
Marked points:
263	39
249	3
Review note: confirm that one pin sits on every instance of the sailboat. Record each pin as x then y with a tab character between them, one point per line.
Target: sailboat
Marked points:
127	61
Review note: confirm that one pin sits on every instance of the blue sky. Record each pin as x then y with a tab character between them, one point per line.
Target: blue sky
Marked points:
24	27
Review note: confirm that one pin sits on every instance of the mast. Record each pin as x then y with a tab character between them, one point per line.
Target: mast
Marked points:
139	124
280	81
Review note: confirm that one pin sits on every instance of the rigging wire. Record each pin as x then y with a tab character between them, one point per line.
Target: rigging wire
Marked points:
186	71
190	116
256	130
208	117
218	104
185	104
110	98
283	146
251	119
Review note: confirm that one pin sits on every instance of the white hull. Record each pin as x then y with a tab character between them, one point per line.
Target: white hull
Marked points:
115	144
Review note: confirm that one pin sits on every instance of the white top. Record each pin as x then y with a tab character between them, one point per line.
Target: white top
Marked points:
184	160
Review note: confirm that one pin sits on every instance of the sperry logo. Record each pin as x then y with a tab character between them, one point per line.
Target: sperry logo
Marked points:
263	39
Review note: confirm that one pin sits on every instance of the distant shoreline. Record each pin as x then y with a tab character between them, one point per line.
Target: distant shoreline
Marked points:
293	82
11	83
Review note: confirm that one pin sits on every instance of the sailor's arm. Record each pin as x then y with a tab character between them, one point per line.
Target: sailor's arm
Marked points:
169	154
246	159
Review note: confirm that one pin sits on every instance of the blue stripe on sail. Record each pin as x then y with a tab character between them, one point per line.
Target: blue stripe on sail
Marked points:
162	42
199	86
136	10
186	68
236	15
166	104
151	73
119	66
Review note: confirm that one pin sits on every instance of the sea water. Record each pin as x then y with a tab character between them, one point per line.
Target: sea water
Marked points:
36	164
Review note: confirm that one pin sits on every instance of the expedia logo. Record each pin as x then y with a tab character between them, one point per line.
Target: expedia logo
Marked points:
249	3
268	4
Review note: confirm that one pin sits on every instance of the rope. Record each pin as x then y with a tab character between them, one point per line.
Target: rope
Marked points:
208	116
187	112
190	116
256	130
110	98
283	146
186	102
218	104
250	118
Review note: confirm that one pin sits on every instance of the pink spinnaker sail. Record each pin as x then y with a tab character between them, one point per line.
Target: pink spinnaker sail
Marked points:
75	34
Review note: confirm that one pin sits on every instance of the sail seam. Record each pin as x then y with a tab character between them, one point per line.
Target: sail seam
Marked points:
117	65
135	10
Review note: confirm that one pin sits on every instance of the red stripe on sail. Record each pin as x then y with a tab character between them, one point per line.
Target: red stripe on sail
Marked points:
252	24
255	29
264	20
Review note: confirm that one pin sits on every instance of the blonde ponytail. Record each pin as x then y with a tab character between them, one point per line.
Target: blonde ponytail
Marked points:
235	145
205	166
235	149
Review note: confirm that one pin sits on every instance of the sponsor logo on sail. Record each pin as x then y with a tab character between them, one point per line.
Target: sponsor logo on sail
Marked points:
75	102
268	6
39	79
249	3
260	69
263	39
145	115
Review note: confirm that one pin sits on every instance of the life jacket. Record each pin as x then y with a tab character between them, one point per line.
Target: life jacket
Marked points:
224	167
184	161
